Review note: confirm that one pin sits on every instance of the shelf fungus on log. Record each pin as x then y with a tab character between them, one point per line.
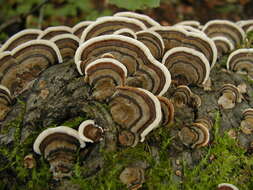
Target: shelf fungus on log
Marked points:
59	146
137	111
80	27
223	45
177	36
20	38
247	121
6	101
167	110
225	28
245	24
31	59
131	53
133	177
104	75
192	23
126	32
229	96
108	25
148	21
153	41
67	44
187	66
195	136
227	186
90	132
240	61
53	31
183	96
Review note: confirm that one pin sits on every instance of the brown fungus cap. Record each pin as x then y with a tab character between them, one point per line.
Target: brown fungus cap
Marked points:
187	66
126	32
53	31
20	38
108	25
245	24
167	110
227	186
136	110
229	96
104	75
223	45
78	29
6	101
133	177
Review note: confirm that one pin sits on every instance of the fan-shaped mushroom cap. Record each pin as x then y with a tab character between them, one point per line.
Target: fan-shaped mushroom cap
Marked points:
223	45
130	52
51	32
192	23
245	24
136	110
247	119
153	41
177	36
206	121
229	96
149	22
31	58
187	66
241	61
108	25
59	145
225	28
90	132
104	75
195	136
133	177
5	96
126	32
80	27
227	186
20	38
167	110
190	29
67	44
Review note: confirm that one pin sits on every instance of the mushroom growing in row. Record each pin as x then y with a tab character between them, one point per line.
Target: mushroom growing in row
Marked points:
6	101
59	146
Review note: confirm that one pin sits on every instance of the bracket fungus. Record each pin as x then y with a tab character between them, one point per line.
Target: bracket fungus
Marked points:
80	27
240	61
192	23
6	101
187	66
183	96
20	38
247	120
148	21
229	96
90	132
126	32
59	146
245	24
67	44
53	31
227	186
108	25
225	28
137	111
153	41
131	53
104	75
223	45
167	110
197	135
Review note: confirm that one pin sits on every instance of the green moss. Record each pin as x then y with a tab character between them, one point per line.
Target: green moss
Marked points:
74	122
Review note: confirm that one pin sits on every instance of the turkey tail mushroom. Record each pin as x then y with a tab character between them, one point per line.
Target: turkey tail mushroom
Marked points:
226	186
167	110
192	23
223	45
137	111
225	28
20	38
108	25
67	44
53	31
187	66
104	75
59	146
245	24
229	96
6	101
90	132
126	32
31	59
149	22
247	119
240	61
78	29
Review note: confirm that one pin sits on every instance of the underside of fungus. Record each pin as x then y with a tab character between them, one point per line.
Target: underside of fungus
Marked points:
187	66
137	111
240	61
59	146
